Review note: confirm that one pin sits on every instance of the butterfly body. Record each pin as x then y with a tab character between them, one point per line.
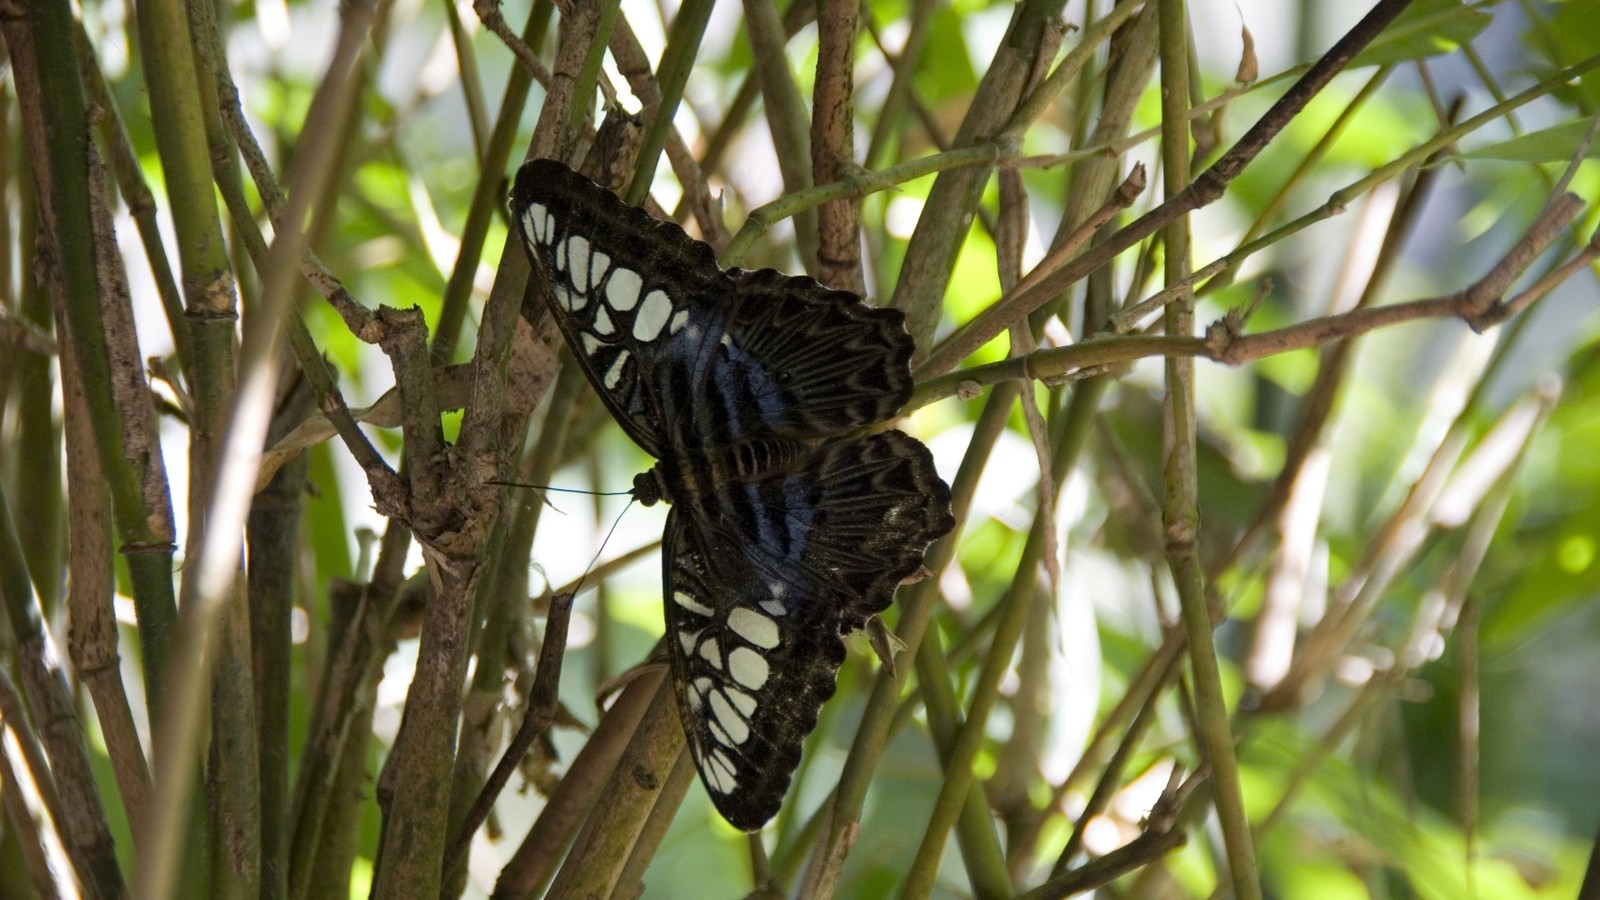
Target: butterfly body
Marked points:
786	530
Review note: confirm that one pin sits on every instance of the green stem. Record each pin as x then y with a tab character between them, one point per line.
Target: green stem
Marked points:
1181	509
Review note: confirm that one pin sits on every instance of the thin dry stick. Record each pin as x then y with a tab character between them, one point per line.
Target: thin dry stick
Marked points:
1224	342
1160	837
489	13
536	720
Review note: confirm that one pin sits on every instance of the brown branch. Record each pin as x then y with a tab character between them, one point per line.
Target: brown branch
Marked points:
536	720
832	147
1479	306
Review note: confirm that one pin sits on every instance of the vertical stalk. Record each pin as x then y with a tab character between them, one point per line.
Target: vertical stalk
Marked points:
53	93
1181	511
683	44
833	145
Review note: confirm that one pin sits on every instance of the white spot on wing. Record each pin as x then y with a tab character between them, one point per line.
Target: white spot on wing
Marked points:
590	344
602	321
561	257
549	227
720	770
686	640
678	320
578	254
745	702
711	653
598	264
614	374
622	291
754	627
718	733
569	298
533	221
774	607
652	316
728	719
691	604
748	667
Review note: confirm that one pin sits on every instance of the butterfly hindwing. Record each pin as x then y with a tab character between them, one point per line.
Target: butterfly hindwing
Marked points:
765	576
753	660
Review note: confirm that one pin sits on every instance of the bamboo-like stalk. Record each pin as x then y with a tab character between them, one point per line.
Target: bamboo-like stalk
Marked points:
1181	506
334	756
76	810
38	487
1021	594
273	535
233	770
626	804
677	59
214	564
92	640
931	253
841	817
975	829
786	115
510	581
541	850
124	435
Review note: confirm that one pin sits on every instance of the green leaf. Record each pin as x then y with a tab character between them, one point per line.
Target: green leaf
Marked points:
1427	28
1554	144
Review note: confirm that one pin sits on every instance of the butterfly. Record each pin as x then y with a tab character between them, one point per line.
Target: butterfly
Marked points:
787	531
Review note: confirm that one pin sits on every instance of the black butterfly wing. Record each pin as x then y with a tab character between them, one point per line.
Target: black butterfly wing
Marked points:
812	362
624	286
751	667
647	313
764	577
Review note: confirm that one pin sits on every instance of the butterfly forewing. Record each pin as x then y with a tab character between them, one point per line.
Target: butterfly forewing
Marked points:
622	286
819	362
779	541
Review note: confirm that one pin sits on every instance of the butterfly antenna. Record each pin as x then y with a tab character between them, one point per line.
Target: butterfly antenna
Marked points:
559	490
578	587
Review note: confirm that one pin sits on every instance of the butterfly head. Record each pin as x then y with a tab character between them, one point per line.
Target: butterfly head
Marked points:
647	488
